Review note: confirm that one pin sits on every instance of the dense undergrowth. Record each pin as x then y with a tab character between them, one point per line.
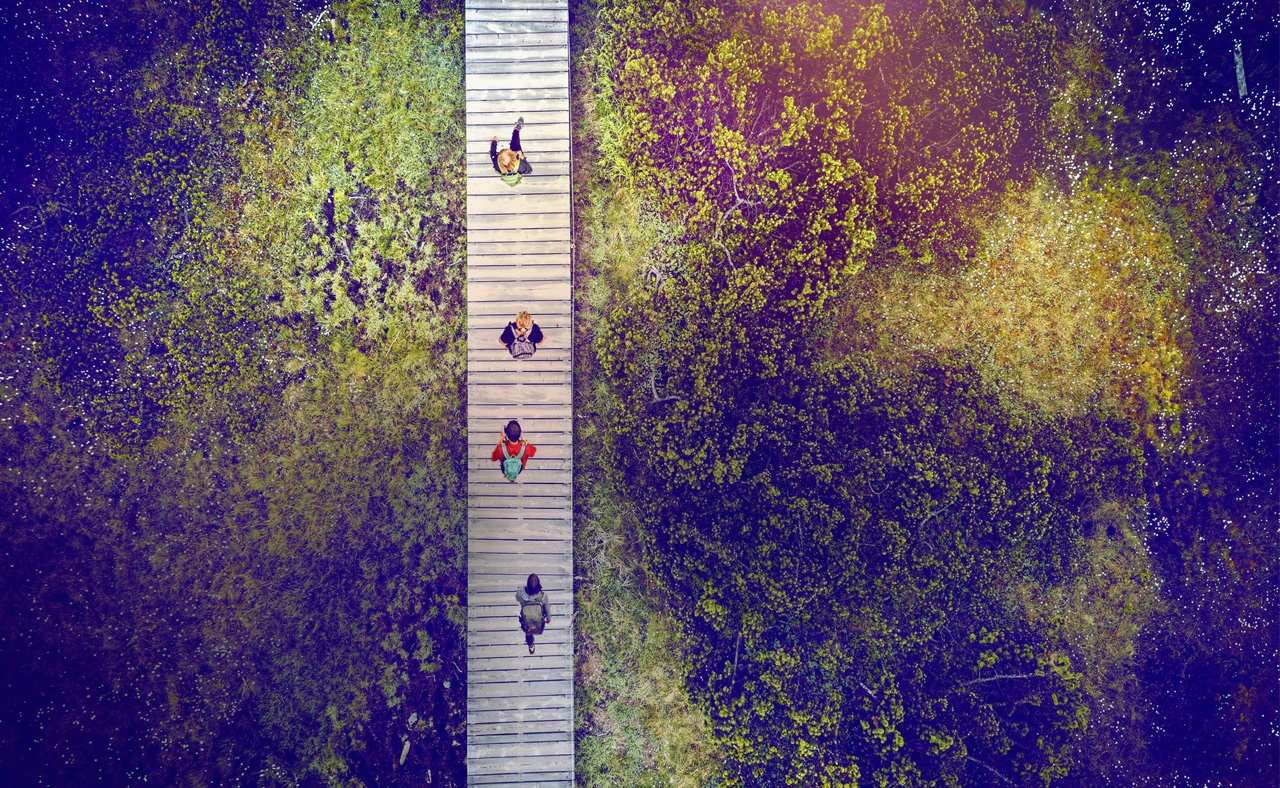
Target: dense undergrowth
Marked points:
928	396
232	479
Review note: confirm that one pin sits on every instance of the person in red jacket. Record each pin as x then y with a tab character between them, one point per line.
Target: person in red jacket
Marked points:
512	452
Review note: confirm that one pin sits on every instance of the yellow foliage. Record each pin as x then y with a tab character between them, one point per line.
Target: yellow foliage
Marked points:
1072	302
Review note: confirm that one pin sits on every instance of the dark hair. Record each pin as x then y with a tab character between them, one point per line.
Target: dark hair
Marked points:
513	430
533	585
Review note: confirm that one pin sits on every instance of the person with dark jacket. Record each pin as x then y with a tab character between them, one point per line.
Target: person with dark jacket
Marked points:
510	163
521	336
535	612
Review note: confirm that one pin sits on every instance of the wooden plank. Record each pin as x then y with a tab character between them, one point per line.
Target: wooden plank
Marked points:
525	674
559	564
534	550
484	246
540	14
551	568
521	733
521	550
558	779
517	206
536	661
525	69
530	507
478	256
485	84
534	291
525	378
524	689
525	26
499	719
506	91
516	394
513	109
555	537
524	778
530	274
512	366
516	4
530	768
494	50
541	749
543	38
523	410
508	223
554	730
530	487
539	116
507	232
550	313
488	349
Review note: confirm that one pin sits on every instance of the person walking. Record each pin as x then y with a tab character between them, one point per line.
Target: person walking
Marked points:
522	336
510	163
535	613
513	452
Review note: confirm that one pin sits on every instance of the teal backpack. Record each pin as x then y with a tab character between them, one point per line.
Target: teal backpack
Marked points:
511	466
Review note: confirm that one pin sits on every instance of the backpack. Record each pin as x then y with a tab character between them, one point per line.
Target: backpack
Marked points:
523	347
531	620
511	466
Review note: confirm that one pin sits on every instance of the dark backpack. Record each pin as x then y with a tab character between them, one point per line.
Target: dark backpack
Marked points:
523	347
511	466
531	619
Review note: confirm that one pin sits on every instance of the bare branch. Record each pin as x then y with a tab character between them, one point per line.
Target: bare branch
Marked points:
988	768
1002	676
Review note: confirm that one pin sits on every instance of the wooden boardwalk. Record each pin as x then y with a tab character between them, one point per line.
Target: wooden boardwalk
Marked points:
520	706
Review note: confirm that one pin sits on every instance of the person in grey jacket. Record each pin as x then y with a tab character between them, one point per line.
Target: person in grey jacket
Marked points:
535	613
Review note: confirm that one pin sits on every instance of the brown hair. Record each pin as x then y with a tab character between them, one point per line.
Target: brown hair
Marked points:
507	160
533	585
512	430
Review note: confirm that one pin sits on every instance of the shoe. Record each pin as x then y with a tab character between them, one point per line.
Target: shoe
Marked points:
530	648
519	123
